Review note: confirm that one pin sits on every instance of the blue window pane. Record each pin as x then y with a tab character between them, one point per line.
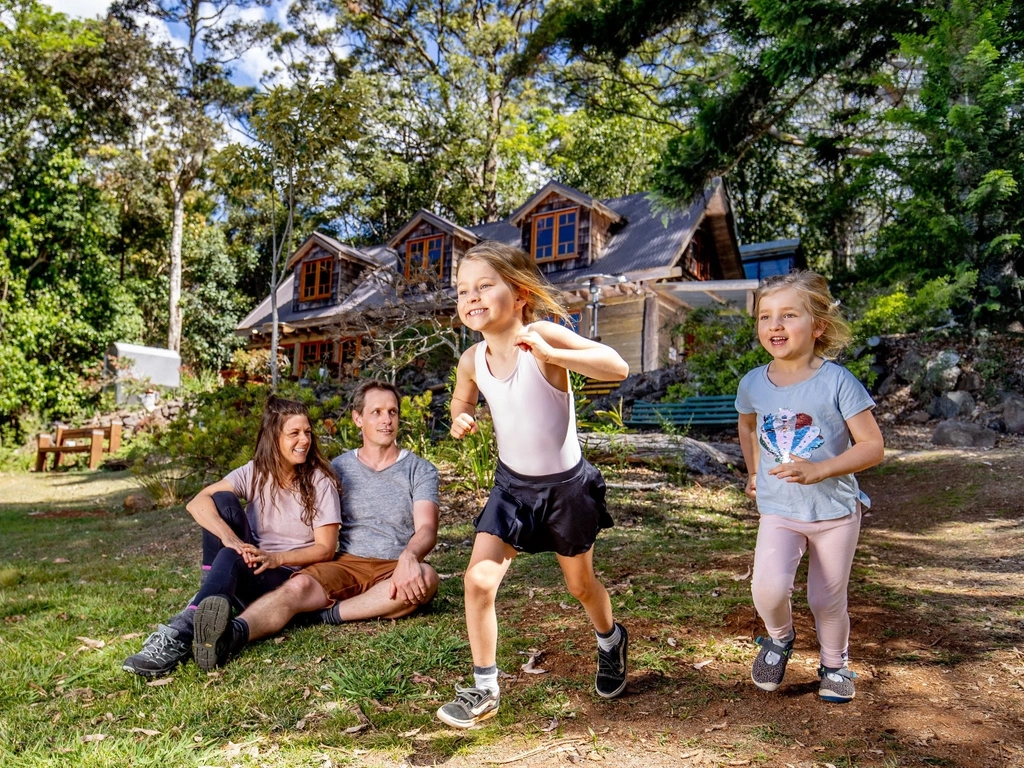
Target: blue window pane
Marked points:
567	233
434	250
542	248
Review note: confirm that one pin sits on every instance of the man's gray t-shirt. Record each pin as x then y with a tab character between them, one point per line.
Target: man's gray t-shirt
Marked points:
376	507
808	420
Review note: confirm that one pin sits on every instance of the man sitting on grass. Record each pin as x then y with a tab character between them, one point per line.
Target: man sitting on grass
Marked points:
389	524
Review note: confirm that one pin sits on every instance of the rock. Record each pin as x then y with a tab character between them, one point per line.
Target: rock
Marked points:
911	367
952	404
919	417
888	418
889	385
137	502
941	373
1015	327
1013	413
963	435
970	381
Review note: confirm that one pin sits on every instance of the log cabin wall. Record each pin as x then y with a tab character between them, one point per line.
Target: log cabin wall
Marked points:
620	325
345	277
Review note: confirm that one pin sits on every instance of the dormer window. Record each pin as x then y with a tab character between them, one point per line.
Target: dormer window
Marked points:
316	279
554	235
424	255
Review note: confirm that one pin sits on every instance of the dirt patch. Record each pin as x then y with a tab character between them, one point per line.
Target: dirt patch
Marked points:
937	642
68	514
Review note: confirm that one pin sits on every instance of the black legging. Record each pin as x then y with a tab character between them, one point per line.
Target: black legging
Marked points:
226	571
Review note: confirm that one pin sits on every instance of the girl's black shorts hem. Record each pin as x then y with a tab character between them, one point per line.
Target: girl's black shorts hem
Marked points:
559	513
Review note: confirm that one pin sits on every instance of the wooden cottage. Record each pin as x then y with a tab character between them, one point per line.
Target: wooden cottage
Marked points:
626	269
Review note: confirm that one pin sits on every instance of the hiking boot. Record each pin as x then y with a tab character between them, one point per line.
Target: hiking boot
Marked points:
836	684
770	665
611	668
471	706
212	632
160	654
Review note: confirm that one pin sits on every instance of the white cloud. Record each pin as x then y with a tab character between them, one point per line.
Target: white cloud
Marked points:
84	9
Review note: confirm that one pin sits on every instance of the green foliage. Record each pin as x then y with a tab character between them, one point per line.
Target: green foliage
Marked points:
720	347
930	306
417	424
477	456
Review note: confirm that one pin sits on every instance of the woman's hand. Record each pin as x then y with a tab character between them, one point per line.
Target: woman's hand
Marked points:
258	559
800	471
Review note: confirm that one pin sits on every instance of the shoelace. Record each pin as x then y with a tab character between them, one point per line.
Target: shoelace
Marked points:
160	647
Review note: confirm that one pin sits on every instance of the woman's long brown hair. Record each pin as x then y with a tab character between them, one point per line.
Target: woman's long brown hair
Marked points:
269	467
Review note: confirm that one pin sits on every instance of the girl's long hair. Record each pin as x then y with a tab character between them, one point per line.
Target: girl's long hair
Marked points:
823	308
269	467
520	273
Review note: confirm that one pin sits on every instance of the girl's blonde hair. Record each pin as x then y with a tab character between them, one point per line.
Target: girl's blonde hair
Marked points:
816	295
520	273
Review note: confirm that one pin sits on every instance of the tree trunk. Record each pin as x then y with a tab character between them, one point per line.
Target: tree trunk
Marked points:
177	229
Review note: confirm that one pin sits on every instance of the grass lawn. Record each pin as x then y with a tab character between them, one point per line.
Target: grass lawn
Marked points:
82	583
934	603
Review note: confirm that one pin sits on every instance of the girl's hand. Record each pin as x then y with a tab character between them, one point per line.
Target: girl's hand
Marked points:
530	341
799	471
751	489
463	425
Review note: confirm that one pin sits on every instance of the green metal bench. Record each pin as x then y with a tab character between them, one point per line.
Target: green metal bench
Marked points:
704	410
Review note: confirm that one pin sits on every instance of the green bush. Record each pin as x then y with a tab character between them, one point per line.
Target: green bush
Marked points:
900	311
721	346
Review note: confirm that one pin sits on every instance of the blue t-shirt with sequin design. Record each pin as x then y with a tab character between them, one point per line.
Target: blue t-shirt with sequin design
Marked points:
806	420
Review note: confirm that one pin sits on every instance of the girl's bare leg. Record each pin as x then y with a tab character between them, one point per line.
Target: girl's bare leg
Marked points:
487	567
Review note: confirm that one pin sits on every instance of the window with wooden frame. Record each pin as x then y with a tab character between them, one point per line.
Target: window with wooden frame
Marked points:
696	261
314	355
554	235
424	255
316	279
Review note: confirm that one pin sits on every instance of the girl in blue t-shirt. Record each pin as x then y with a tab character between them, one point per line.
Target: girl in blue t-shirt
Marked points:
805	427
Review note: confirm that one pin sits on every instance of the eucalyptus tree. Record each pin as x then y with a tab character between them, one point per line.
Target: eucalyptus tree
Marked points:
198	97
298	133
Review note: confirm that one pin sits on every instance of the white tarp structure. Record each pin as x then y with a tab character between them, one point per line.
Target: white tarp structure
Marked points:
138	365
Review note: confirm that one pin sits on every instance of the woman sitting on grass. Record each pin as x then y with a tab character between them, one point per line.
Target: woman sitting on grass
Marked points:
291	520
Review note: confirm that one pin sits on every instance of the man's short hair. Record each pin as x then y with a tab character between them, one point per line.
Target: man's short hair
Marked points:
359	396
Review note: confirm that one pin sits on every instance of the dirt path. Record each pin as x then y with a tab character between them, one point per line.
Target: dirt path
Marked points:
937	612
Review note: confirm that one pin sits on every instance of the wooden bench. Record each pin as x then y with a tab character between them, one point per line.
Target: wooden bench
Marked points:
704	410
92	440
594	388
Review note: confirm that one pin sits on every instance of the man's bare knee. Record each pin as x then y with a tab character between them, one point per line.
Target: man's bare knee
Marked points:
304	589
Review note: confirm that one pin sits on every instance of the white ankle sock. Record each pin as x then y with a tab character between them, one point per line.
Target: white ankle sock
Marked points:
486	678
609	641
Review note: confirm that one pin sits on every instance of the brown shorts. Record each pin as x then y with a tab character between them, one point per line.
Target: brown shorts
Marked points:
349	575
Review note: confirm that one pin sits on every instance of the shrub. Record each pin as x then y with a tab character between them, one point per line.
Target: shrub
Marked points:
900	312
721	346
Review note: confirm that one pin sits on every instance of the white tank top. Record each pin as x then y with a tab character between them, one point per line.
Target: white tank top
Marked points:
535	423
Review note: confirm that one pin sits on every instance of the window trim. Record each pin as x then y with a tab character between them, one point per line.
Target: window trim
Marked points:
314	266
553	215
425	263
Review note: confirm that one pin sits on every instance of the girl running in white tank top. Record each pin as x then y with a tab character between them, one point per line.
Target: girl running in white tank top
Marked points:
546	497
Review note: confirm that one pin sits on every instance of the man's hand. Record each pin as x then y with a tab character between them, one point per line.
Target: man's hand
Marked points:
799	471
463	425
407	582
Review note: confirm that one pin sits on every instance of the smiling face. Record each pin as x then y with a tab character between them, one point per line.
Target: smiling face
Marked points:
486	302
785	325
294	440
379	419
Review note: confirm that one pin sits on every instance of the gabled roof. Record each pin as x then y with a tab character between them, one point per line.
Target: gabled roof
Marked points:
432	218
650	245
501	231
331	245
568	192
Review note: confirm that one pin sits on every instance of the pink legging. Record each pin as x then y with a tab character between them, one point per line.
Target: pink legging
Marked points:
781	544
